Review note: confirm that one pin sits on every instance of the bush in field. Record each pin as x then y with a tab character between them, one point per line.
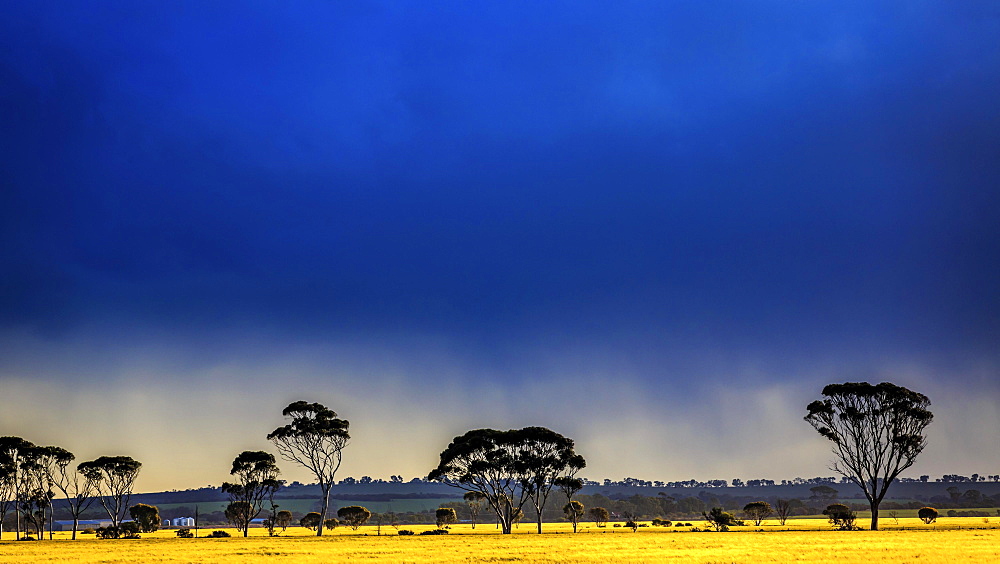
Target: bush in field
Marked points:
927	514
435	532
331	524
721	520
185	534
600	516
354	516
757	511
661	522
108	533
405	533
311	520
841	516
219	535
445	516
130	530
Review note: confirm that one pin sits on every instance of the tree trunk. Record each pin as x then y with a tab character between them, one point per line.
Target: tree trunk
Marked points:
874	506
76	523
326	506
505	520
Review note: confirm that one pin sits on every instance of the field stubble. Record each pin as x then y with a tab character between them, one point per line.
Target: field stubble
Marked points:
956	540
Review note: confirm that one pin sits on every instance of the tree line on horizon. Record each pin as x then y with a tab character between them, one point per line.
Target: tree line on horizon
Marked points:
876	431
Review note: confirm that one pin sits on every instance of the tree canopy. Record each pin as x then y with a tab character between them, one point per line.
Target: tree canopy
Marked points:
113	477
508	467
354	515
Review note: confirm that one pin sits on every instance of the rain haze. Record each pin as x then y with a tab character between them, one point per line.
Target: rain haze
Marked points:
659	228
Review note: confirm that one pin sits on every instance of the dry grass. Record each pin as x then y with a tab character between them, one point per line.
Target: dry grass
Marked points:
952	540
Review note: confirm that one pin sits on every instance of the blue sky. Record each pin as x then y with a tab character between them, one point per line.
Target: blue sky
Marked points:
641	218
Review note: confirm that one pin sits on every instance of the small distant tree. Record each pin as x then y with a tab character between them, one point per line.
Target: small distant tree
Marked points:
824	493
877	432
841	516
600	516
311	520
757	511
331	524
928	515
284	519
257	481
573	511
147	517
783	510
379	519
354	516
113	478
720	519
569	486
445	516
315	438
475	502
517	516
392	519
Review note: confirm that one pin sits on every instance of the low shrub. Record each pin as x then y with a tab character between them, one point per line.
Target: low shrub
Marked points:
405	532
435	532
219	535
661	522
185	534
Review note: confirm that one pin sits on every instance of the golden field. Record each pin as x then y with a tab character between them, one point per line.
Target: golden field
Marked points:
802	540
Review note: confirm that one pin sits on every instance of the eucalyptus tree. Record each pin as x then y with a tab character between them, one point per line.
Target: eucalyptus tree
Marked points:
12	450
315	438
354	516
757	511
877	432
37	486
569	486
113	478
8	487
475	502
508	468
257	481
76	488
546	457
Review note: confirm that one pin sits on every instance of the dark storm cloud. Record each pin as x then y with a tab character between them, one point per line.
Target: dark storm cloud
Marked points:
672	195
